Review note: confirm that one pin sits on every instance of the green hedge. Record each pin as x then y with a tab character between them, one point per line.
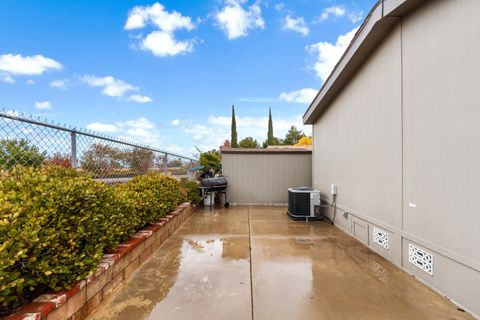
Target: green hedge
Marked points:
150	197
55	225
191	188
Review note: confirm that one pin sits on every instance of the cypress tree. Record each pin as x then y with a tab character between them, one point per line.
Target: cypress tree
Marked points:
233	140
270	140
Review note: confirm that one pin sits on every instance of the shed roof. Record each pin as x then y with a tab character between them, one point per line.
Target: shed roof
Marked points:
379	22
269	150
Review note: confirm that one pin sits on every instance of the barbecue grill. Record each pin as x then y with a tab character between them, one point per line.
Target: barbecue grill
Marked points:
212	186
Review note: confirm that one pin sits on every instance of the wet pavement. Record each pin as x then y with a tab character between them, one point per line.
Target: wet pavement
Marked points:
294	270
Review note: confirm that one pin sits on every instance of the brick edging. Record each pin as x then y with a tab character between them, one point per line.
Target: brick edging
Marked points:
113	270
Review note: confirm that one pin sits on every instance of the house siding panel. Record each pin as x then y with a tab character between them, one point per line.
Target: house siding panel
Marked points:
358	141
401	141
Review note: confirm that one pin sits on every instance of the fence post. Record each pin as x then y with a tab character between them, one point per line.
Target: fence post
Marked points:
165	162
73	136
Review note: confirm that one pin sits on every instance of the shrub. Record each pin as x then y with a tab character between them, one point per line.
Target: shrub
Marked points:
191	188
54	229
55	225
304	141
61	160
151	196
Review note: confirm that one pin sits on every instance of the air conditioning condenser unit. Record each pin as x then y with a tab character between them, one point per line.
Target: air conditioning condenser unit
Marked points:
303	203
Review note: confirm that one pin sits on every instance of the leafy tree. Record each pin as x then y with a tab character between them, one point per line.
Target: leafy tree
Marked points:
293	136
234	141
304	141
102	159
175	163
140	160
270	137
210	160
13	152
248	142
276	142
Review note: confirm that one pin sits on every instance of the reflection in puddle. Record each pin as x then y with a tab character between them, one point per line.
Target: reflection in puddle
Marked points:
380	272
187	279
195	245
305	241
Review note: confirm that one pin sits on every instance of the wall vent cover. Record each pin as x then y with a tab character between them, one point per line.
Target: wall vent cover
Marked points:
381	237
420	258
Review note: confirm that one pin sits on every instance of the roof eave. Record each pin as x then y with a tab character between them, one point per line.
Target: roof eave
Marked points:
381	19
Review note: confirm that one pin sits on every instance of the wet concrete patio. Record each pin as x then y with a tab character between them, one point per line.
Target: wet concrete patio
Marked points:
253	262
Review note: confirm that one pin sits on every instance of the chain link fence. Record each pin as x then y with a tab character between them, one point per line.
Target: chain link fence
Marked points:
32	142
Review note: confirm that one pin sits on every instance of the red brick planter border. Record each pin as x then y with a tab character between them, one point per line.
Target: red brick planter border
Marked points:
113	270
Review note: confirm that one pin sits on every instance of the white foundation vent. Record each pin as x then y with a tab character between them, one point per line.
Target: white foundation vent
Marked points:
420	258
381	237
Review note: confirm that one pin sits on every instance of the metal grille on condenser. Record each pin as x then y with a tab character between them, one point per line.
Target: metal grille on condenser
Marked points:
299	203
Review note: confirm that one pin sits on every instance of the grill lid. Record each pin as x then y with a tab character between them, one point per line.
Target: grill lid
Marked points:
214	182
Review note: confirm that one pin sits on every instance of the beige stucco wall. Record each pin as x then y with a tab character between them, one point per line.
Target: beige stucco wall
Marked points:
402	142
263	178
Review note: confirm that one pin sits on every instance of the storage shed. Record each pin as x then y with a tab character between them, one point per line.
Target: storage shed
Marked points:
262	176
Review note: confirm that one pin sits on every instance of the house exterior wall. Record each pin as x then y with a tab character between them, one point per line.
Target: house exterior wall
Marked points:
402	144
263	178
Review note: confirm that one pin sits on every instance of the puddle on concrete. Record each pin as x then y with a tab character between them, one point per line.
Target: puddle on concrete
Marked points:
201	278
299	271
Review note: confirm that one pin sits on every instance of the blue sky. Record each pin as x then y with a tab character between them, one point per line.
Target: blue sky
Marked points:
166	73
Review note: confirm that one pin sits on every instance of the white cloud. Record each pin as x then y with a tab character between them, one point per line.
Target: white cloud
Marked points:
341	11
164	44
336	11
60	83
101	127
139	130
140	123
11	113
305	95
45	105
207	137
355	16
156	14
175	122
328	54
145	132
138	133
111	87
235	20
16	65
139	98
279	6
30	82
161	42
216	130
296	24
253	123
7	78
